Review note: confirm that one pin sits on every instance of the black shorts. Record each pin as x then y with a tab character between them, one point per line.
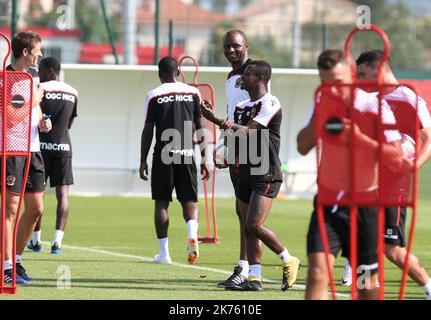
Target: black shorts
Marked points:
233	172
395	226
268	189
59	170
15	169
338	230
182	177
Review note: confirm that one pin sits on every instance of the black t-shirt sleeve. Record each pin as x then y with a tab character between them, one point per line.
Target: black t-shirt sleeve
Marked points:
197	108
75	109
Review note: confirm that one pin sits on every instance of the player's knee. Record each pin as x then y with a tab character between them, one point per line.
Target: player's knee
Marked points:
11	210
36	210
318	274
392	253
254	228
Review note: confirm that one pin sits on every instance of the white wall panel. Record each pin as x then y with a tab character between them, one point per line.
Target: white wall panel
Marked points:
106	134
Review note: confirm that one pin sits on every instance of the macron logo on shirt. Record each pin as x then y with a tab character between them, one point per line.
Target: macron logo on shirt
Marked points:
54	146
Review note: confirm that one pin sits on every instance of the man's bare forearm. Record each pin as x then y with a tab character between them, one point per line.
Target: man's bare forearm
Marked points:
391	151
306	139
425	152
203	145
146	139
220	123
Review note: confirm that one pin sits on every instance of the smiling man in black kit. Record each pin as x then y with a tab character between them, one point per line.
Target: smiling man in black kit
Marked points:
259	120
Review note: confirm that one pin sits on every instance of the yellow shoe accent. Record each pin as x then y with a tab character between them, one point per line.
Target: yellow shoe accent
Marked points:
290	272
253	278
192	250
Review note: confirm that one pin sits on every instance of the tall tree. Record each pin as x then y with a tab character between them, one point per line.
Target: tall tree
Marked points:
220	5
373	4
215	47
407	50
90	21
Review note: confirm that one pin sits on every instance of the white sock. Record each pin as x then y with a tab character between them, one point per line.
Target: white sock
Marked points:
58	237
285	255
36	237
245	268
256	271
8	264
427	288
18	258
163	246
192	229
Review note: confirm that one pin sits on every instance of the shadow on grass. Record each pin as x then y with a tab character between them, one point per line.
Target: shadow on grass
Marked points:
88	260
146	284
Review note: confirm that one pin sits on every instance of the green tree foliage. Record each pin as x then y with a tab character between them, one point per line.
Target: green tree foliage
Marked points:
407	50
265	48
36	17
423	31
5	15
215	45
89	20
407	40
375	5
219	5
243	3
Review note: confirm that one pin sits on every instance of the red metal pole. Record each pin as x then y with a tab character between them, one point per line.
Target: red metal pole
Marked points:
354	250
381	250
3	164
414	210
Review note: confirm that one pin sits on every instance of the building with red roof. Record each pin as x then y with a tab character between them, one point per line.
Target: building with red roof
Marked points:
65	45
102	53
193	25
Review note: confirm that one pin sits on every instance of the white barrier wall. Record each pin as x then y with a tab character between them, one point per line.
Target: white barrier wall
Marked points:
106	135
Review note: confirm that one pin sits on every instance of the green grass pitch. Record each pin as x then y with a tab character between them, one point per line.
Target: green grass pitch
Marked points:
109	241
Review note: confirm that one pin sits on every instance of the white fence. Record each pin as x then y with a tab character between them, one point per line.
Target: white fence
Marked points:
106	135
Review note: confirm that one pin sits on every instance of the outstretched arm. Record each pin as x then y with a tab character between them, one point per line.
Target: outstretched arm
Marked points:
305	139
391	151
208	113
205	172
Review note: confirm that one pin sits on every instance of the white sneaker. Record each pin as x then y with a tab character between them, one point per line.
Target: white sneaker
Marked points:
162	259
192	250
346	279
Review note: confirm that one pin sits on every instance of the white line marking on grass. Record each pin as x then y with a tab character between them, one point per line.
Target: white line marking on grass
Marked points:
109	248
176	264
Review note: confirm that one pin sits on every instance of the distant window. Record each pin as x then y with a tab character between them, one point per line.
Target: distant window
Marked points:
52	52
4	13
180	42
